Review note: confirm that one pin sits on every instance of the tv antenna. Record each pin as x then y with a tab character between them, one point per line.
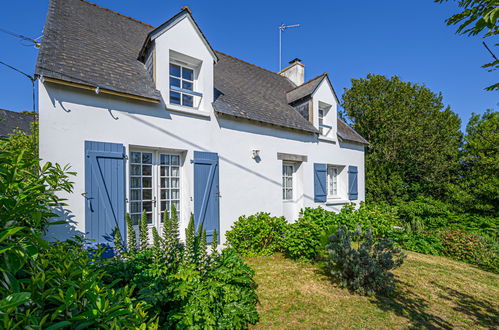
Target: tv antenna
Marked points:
283	27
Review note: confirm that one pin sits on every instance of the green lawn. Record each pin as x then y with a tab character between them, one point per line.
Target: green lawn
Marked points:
433	292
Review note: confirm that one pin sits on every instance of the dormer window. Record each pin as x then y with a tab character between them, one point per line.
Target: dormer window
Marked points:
181	85
324	119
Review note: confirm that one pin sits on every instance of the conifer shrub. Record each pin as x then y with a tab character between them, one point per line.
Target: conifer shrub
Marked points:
366	269
258	234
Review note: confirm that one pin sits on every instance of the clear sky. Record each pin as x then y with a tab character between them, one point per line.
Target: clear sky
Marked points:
347	39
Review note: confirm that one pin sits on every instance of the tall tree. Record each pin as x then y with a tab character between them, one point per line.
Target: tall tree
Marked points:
478	189
414	139
477	17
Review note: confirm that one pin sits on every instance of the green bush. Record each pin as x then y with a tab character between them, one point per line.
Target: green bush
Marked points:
258	234
302	240
364	270
186	286
468	247
426	242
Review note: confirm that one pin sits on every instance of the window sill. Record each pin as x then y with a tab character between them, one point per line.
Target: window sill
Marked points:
336	201
327	138
191	111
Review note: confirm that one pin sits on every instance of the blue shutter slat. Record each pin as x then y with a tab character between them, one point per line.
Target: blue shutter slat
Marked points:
320	174
206	192
353	193
105	190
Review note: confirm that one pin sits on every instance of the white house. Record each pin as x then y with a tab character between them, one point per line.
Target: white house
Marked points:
151	117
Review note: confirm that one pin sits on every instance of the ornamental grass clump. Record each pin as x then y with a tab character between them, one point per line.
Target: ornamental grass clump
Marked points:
366	269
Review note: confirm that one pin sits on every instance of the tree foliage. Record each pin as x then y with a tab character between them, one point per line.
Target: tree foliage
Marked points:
478	188
414	138
477	16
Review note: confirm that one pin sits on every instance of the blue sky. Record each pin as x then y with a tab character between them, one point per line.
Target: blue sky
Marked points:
347	39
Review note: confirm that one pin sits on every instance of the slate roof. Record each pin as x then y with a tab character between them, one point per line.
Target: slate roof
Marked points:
88	44
304	90
12	120
347	133
91	45
247	91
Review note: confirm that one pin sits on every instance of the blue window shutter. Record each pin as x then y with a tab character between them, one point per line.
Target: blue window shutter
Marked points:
104	191
353	193
320	192
206	192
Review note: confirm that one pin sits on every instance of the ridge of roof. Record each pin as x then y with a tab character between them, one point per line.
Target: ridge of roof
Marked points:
307	82
117	13
246	62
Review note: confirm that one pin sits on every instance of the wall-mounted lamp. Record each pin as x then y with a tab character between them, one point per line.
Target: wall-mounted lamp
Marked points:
255	154
97	90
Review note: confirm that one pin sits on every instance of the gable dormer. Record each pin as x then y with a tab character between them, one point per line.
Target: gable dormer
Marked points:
317	102
181	62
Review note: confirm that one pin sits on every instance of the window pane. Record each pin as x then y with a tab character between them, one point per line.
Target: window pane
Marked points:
149	218
147	194
147	158
174	82
147	206
174	70
165	159
187	100
174	183
186	85
289	182
289	194
176	204
147	182
164	183
135	194
175	171
175	159
175	194
135	207
174	97
163	206
135	157
135	182
135	170
147	170
165	194
164	171
187	74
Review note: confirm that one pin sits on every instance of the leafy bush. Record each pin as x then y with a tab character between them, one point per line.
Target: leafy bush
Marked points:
426	242
186	286
465	246
302	240
364	270
258	234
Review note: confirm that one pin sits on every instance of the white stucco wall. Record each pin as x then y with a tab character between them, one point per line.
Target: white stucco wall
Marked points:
69	116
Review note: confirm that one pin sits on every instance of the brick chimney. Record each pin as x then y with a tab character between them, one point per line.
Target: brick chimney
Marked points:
295	72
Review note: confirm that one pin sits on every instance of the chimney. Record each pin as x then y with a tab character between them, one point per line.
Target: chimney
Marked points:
295	72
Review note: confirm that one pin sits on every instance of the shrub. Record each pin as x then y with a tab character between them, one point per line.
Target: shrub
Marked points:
426	242
468	247
258	234
364	270
302	240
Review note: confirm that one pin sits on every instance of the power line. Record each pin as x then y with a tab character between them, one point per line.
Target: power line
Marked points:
20	36
31	78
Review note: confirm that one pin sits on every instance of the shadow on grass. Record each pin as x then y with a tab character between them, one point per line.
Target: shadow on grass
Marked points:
412	307
482	312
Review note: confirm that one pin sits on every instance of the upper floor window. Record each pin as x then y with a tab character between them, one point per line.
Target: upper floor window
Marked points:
181	85
321	121
287	181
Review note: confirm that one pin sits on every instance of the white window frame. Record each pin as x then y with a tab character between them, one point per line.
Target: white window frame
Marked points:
320	117
285	186
156	175
180	90
333	181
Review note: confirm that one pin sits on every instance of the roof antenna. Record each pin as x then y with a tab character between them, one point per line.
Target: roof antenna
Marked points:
283	27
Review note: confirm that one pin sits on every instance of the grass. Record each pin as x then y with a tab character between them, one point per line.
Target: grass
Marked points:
432	292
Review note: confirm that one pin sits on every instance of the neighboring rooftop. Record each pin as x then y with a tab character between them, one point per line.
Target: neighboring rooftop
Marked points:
10	120
87	44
